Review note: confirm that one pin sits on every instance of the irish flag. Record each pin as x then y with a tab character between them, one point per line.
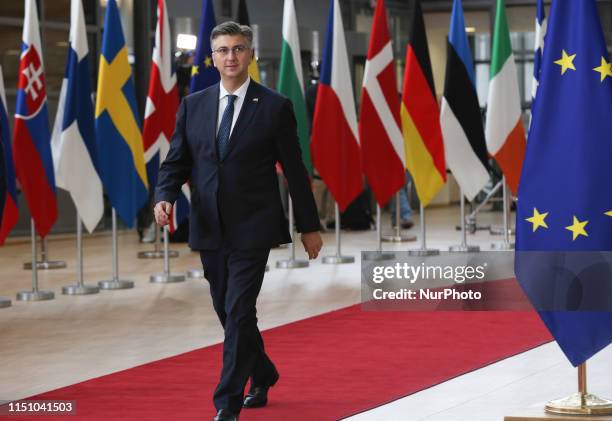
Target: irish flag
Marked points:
504	128
291	80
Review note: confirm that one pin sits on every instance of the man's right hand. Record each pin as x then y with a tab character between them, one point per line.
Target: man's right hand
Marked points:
162	213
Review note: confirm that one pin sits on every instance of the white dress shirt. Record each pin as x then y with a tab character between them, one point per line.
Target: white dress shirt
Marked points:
240	94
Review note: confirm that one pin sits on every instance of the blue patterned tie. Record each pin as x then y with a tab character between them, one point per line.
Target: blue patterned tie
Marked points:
225	127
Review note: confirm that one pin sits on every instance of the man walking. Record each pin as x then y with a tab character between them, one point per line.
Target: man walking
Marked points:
227	140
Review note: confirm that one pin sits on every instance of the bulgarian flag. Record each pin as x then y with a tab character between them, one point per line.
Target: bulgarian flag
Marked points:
504	129
291	80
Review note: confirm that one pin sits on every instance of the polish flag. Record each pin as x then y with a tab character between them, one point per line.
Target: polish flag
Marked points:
382	143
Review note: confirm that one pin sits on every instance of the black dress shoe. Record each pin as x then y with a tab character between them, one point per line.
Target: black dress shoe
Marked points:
225	415
256	398
258	395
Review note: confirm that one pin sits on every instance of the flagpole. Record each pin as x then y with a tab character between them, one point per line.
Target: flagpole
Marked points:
45	263
115	283
292	262
506	244
80	288
338	257
397	236
581	403
463	247
35	294
166	277
158	252
471	218
378	254
423	250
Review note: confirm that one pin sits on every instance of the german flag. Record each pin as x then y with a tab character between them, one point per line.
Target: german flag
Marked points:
243	19
421	117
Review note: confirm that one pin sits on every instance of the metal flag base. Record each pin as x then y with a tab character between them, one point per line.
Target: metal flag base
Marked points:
395	238
423	252
79	289
472	226
377	255
116	284
334	260
291	264
464	248
45	263
506	244
156	254
580	404
36	295
4	302
337	258
48	264
195	274
166	278
499	230
502	245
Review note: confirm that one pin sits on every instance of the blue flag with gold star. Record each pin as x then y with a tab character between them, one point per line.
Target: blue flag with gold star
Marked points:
564	214
203	73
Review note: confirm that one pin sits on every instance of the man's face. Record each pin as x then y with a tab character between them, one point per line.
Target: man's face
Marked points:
231	56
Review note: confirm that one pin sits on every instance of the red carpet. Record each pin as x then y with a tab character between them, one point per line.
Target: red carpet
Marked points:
332	366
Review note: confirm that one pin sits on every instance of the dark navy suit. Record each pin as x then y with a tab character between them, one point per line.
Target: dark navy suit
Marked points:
237	215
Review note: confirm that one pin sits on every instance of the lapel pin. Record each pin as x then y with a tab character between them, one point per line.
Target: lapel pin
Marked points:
256	99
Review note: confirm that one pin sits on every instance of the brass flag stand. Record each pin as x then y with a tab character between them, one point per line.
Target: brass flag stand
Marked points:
581	403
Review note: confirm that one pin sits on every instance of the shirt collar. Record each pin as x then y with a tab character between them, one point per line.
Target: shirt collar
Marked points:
240	92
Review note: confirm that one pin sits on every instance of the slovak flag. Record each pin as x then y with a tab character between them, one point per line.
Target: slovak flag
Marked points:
10	212
380	129
161	108
32	140
334	145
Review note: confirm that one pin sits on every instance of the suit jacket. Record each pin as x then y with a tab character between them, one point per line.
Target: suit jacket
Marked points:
236	200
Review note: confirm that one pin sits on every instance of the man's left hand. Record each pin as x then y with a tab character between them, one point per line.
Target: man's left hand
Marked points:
312	244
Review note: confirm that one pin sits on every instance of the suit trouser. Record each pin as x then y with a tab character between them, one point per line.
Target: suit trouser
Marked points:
235	278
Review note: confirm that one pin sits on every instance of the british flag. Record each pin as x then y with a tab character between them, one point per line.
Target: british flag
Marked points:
160	111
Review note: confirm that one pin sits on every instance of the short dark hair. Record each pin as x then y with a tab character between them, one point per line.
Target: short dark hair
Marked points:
232	28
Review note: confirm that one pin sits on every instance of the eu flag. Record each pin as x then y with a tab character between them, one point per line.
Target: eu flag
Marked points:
564	215
203	73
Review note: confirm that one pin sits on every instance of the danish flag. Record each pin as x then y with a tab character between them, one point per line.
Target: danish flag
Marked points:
382	143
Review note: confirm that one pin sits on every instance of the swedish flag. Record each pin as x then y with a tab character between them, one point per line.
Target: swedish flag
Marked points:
564	216
118	132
